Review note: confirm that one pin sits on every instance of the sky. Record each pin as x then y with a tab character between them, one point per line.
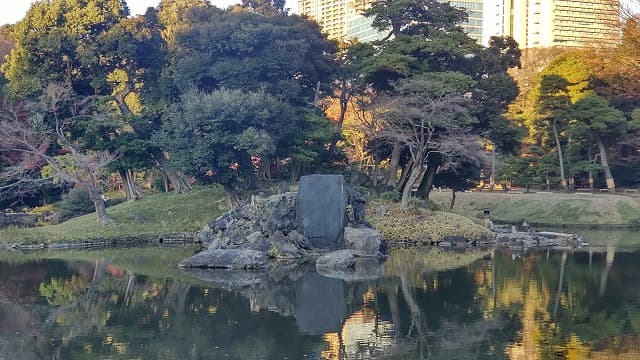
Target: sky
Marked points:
15	9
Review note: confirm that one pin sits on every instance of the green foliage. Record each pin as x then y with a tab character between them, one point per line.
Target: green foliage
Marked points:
283	55
60	292
77	202
65	161
594	114
47	40
423	17
393	196
213	136
531	169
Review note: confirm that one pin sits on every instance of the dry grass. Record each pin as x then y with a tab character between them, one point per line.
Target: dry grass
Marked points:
547	209
417	224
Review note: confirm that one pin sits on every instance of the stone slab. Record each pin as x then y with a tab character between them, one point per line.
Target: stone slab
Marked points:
321	206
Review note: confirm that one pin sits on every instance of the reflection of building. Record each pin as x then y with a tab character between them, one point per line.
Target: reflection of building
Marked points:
533	23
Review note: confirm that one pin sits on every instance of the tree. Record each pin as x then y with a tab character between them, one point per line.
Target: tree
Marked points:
422	17
605	124
284	55
56	41
429	114
173	16
553	108
53	123
217	137
458	176
103	55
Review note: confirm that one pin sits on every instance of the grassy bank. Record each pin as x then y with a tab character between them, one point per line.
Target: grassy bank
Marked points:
553	209
416	224
154	214
167	212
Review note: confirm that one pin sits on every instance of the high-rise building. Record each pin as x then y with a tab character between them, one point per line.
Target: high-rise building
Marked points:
332	15
476	20
532	23
569	23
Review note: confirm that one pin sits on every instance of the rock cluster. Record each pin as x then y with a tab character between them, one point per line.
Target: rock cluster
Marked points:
274	228
265	224
538	239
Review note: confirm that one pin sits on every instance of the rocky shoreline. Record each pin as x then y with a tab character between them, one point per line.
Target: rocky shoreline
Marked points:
176	239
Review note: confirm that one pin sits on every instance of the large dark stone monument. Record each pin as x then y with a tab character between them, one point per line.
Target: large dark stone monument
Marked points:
322	200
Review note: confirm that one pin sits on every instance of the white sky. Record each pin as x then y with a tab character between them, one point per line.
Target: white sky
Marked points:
13	10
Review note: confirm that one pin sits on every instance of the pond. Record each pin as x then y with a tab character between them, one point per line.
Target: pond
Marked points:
135	304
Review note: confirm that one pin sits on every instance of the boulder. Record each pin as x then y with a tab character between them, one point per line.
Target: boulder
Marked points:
366	269
282	247
364	241
227	259
322	200
336	260
205	235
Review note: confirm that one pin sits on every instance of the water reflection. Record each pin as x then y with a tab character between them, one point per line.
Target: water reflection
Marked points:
136	304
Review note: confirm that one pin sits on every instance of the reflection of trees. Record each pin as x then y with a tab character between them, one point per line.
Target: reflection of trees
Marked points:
530	306
434	310
569	304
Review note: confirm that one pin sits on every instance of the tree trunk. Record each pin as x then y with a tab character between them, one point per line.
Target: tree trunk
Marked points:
232	196
392	175
427	182
406	191
131	190
572	183
406	170
263	171
590	172
101	210
492	176
179	182
374	178
560	157
604	161
345	95
453	198
296	171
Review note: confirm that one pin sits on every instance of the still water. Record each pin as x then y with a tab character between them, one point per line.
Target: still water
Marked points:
135	304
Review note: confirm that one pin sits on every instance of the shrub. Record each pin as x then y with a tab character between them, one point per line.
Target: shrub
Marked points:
390	196
77	202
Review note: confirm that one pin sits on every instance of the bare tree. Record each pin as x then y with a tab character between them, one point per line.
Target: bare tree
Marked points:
428	115
33	136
